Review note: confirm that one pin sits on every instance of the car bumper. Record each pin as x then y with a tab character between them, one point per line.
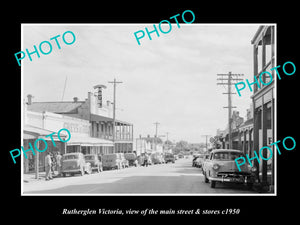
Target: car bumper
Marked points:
237	179
71	171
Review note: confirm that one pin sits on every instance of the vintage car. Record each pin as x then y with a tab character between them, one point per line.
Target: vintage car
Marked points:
95	161
169	157
221	167
124	161
111	161
75	163
205	158
131	158
156	158
198	162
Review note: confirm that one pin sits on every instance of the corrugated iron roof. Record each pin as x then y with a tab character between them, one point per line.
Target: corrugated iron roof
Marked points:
55	107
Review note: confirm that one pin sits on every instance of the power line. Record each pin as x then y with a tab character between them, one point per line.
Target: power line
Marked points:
231	80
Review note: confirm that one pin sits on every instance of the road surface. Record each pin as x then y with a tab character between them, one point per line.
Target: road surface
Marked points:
178	178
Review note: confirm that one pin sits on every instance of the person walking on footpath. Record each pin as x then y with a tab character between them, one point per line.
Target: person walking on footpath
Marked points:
58	163
48	164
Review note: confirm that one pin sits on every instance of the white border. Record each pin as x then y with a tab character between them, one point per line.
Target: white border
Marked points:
158	194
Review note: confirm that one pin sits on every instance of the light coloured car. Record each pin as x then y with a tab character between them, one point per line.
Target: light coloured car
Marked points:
123	160
73	163
221	167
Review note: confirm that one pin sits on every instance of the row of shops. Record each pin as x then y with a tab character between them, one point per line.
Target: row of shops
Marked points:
258	129
91	130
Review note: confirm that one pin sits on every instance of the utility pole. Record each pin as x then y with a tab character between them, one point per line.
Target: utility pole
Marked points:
155	138
206	136
114	111
231	80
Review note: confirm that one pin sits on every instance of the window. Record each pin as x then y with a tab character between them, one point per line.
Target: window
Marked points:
227	155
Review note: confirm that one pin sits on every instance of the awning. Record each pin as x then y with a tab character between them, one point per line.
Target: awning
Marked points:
32	132
89	141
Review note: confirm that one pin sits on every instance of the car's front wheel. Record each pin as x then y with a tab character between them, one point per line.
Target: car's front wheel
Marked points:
205	178
212	184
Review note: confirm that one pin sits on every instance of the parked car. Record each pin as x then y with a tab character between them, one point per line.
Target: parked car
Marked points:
95	161
180	156
75	163
198	161
194	160
132	159
146	160
111	161
157	158
221	167
124	162
169	157
205	158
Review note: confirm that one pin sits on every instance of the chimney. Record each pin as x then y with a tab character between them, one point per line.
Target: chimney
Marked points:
75	99
29	97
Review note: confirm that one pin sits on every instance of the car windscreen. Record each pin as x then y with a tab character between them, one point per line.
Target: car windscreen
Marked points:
227	155
67	157
89	157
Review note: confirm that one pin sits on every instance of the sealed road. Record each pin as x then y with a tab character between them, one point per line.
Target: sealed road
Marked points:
177	178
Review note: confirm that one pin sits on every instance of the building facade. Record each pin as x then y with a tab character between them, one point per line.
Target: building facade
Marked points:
99	116
40	124
263	101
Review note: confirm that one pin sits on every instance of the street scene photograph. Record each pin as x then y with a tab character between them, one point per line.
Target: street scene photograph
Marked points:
130	109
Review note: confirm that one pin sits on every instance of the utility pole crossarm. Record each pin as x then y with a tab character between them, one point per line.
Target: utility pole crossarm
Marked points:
230	79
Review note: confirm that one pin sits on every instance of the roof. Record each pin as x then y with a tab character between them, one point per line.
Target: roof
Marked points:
247	123
55	107
99	118
257	34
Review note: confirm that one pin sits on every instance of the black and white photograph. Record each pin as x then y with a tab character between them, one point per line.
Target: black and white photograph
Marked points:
160	117
141	113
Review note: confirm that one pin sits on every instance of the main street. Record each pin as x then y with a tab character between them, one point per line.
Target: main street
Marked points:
177	178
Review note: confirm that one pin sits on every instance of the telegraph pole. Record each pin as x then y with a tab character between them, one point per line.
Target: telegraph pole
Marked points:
155	139
114	110
231	80
206	136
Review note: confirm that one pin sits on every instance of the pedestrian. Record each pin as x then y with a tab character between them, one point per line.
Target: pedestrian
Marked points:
58	163
146	160
48	164
53	163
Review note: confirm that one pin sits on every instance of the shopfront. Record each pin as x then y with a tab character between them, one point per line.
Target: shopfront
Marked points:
39	125
264	102
30	135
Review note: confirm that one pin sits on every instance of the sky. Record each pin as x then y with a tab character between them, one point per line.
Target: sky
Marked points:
170	79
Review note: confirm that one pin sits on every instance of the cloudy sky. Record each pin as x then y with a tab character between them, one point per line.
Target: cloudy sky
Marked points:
170	79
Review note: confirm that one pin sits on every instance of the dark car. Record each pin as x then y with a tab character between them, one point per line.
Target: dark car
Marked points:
95	161
73	163
169	157
132	159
